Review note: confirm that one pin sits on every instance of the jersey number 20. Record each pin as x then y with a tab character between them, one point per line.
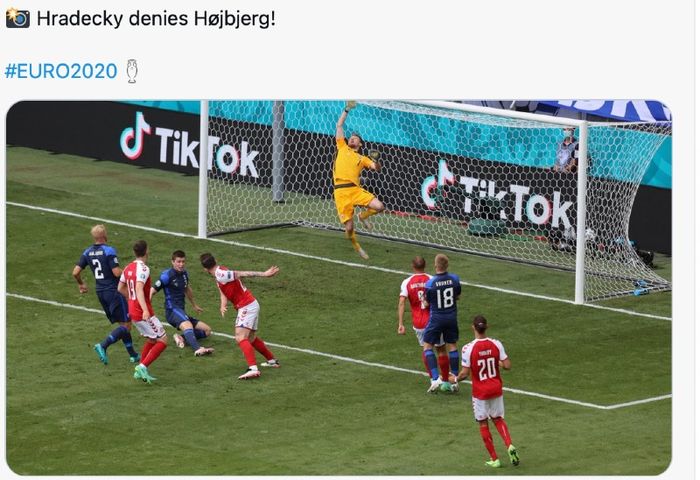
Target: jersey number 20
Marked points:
487	368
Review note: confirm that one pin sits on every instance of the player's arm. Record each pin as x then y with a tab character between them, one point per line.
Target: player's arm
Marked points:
122	288
401	309
78	278
464	373
270	272
158	285
504	364
141	298
224	304
339	132
190	296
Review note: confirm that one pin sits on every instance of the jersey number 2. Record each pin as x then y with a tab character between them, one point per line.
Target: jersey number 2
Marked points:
98	269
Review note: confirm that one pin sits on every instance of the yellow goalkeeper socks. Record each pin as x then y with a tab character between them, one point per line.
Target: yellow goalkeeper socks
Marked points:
353	238
365	214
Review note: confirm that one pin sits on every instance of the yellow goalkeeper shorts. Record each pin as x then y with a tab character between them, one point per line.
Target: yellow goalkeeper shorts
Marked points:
346	198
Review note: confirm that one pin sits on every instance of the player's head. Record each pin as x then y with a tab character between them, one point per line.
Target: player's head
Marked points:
441	263
208	261
355	141
99	233
418	263
141	249
178	260
479	324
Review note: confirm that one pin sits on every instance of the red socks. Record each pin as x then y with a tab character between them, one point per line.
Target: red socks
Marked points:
260	346
444	364
151	353
488	440
248	351
502	430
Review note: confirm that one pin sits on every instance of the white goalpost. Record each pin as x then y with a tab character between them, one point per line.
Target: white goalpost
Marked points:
455	176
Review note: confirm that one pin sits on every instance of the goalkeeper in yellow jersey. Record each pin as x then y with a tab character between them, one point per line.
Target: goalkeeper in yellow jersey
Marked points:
347	192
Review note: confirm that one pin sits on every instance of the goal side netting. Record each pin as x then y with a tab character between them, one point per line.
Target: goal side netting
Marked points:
471	181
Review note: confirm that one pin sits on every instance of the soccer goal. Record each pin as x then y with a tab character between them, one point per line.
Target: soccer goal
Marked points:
454	176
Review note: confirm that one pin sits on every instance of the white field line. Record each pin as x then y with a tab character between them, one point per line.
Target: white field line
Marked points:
369	364
328	260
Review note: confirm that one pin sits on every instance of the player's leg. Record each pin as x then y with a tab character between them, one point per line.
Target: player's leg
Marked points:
200	330
346	210
245	323
108	301
242	334
481	415
373	207
184	324
443	361
497	413
121	312
253	316
431	336
156	343
451	336
419	335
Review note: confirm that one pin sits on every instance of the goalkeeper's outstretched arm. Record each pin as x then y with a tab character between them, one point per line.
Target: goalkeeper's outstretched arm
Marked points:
339	132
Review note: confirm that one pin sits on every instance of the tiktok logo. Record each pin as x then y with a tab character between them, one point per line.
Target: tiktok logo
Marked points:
135	134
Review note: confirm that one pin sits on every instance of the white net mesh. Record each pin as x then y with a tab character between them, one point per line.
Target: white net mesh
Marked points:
466	181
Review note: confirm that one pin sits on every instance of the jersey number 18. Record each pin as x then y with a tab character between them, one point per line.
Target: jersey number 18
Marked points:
446	297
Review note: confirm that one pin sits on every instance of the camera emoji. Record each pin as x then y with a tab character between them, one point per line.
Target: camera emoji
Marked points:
17	18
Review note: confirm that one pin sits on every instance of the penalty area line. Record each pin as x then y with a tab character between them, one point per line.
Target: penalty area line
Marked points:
367	364
329	260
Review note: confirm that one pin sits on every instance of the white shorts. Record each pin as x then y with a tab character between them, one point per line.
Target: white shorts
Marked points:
485	409
248	316
151	328
419	336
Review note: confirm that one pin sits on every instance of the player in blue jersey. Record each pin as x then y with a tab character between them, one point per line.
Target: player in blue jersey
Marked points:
441	294
175	283
102	260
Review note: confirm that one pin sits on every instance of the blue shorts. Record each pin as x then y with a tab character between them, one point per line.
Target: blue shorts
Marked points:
176	316
114	305
448	328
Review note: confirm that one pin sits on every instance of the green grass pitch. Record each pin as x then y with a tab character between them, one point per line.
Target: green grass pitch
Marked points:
349	399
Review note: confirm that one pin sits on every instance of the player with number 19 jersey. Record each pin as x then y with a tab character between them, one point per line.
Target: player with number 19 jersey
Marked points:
481	356
137	271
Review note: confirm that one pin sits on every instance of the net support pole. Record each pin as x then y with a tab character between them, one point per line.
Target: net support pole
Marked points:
579	296
203	167
278	151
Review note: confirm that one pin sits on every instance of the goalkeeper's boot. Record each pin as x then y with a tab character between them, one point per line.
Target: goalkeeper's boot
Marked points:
179	341
135	359
101	352
362	254
513	454
249	374
274	363
494	463
434	386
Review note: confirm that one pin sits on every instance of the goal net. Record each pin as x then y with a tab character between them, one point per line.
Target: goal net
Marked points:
453	176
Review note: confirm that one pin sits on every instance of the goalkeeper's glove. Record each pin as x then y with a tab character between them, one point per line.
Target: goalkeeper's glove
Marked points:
349	105
374	155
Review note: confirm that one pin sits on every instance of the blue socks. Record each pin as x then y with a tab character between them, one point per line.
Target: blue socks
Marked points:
191	338
431	361
454	362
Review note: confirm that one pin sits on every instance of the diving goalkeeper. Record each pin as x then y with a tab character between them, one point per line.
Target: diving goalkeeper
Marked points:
347	192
